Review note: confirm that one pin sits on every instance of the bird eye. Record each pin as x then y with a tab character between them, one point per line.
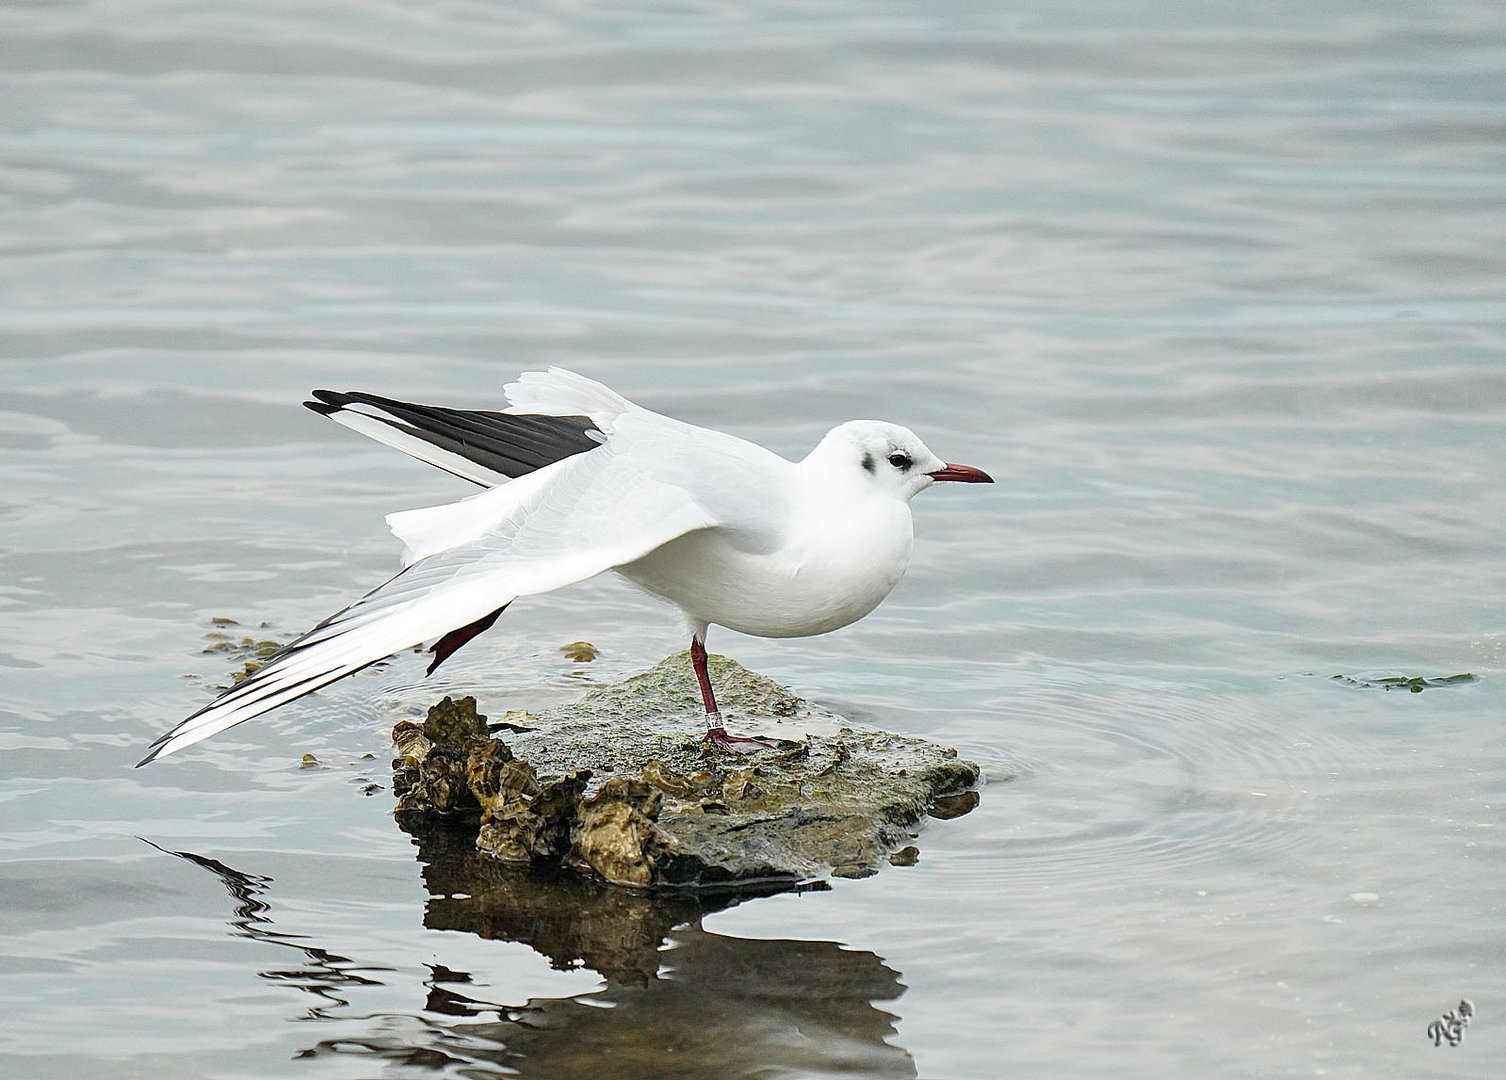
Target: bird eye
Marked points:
900	461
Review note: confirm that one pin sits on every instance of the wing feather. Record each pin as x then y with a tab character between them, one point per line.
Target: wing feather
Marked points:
597	510
486	448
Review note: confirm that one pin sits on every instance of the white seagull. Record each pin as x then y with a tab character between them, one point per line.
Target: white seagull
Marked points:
580	480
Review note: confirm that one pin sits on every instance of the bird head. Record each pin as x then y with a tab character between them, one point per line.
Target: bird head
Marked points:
888	457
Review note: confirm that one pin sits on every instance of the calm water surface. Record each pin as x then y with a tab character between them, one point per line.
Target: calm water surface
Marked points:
1215	290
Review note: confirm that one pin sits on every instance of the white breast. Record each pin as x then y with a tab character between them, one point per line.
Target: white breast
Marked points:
830	570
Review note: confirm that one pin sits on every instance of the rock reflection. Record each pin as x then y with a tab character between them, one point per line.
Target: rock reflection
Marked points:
678	1000
723	1007
573	921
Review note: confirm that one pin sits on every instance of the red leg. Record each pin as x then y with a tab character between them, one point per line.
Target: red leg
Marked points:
717	735
698	661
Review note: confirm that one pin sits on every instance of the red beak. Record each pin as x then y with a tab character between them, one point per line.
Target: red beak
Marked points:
964	474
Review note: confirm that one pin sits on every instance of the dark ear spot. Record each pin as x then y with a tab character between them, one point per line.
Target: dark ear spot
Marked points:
868	462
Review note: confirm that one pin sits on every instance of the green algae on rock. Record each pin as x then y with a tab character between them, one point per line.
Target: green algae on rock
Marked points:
622	785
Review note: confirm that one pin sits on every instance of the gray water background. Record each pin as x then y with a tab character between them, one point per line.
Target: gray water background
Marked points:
1215	290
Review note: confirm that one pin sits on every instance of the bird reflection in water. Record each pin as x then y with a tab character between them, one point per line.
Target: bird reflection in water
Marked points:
326	975
678	1000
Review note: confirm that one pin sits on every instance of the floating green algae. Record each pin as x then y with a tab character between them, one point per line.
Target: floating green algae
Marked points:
251	652
1415	684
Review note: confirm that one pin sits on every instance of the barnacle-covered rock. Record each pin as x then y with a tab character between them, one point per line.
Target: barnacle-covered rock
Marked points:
622	784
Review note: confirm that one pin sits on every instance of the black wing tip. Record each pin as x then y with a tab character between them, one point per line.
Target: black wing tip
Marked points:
328	402
338	399
506	444
157	746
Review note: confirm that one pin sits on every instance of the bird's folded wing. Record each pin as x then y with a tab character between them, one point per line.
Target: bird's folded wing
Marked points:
599	510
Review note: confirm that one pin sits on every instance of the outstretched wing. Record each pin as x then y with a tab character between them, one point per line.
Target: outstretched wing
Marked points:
574	519
486	448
